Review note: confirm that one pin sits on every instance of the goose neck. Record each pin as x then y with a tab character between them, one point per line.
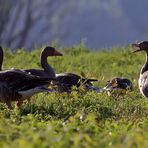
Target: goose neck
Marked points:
1	58
48	69
145	66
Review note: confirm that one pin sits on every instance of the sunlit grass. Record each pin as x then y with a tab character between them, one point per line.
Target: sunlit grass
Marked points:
79	119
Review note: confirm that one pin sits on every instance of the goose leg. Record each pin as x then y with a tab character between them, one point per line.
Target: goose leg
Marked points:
28	100
8	103
19	103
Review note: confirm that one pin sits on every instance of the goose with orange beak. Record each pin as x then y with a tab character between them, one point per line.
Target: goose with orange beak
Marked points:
143	79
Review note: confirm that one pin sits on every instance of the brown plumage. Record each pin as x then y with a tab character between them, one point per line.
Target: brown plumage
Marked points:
66	81
16	85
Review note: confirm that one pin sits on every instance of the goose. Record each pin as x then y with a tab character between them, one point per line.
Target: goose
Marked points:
64	81
118	86
67	80
143	78
17	85
48	51
47	70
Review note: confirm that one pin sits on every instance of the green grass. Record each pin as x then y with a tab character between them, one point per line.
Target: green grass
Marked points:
79	120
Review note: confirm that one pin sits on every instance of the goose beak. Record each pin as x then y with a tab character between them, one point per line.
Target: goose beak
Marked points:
111	85
57	53
136	47
108	87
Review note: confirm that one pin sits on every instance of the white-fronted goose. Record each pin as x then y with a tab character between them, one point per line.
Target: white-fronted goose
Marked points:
16	85
118	86
47	71
143	79
67	80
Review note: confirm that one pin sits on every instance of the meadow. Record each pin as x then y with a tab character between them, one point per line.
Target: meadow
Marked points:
87	119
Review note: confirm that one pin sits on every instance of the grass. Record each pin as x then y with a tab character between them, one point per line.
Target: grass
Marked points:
79	120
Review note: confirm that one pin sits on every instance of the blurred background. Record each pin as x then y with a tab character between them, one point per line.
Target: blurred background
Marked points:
99	23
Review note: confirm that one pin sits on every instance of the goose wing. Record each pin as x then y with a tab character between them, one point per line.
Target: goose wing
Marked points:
37	72
73	79
68	78
18	79
124	83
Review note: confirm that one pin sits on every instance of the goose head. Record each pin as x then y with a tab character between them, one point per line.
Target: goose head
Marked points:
142	46
51	51
111	84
